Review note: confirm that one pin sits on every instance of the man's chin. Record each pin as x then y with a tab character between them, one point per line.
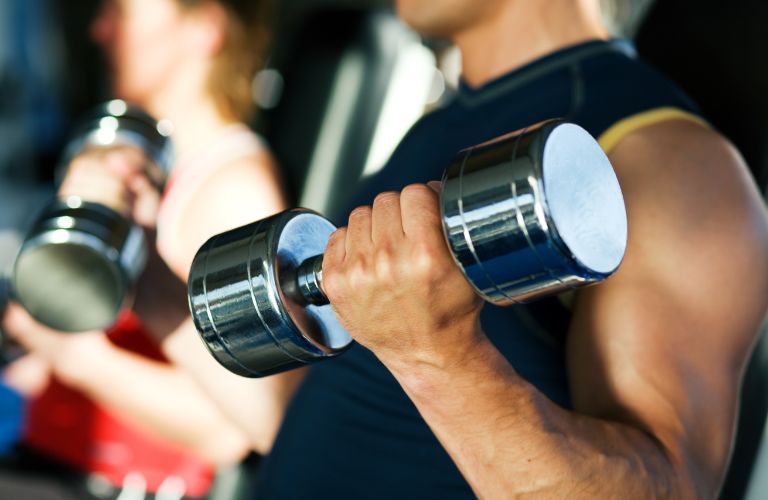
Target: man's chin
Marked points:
427	22
427	29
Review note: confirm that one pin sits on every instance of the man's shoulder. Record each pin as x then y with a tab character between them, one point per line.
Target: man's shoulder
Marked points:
617	87
684	168
680	140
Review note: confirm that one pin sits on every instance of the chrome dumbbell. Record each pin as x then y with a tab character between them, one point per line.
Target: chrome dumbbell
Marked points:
77	266
529	214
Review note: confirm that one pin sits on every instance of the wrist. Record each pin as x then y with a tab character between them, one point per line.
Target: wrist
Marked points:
83	359
423	370
442	392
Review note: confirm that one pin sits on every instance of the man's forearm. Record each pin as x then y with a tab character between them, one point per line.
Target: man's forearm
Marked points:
508	439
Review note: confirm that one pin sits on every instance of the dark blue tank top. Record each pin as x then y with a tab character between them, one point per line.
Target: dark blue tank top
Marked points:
351	432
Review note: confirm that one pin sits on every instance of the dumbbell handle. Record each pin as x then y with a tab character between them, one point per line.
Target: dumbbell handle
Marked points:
309	281
115	123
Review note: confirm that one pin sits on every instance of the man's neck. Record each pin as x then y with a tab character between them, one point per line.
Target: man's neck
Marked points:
521	32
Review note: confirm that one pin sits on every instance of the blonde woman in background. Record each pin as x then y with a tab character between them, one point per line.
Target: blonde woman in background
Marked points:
112	405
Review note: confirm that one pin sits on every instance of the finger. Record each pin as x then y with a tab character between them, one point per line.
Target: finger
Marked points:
421	212
140	188
386	221
140	184
16	318
18	324
436	186
126	162
335	251
359	231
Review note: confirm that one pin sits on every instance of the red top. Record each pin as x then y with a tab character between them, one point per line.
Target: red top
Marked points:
65	424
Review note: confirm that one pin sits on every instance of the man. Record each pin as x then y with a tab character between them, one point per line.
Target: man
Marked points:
632	392
637	397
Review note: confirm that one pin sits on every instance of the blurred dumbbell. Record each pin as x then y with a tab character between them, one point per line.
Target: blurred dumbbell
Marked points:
529	214
77	266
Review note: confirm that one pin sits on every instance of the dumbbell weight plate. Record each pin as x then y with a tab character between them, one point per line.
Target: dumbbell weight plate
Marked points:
243	297
533	213
74	269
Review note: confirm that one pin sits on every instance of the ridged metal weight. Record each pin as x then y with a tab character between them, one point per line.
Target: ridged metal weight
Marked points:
533	213
252	305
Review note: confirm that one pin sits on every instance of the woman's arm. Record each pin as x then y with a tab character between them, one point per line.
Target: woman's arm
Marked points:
156	396
239	193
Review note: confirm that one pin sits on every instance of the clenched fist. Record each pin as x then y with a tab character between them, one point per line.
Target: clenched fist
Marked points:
394	285
113	177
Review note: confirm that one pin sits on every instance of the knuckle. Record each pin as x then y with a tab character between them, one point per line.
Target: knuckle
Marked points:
362	211
337	237
358	273
328	268
331	282
384	262
426	258
358	264
418	191
335	240
386	199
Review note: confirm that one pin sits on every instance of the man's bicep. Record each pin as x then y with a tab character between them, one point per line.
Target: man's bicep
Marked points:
647	367
662	344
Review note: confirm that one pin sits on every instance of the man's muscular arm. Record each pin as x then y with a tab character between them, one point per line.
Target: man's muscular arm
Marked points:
655	354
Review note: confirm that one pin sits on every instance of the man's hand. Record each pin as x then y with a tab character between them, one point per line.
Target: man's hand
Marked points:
394	285
113	177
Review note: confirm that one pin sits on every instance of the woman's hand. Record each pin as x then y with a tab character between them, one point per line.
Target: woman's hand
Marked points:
28	375
68	355
114	177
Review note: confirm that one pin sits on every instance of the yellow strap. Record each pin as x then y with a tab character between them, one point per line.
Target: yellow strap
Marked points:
616	132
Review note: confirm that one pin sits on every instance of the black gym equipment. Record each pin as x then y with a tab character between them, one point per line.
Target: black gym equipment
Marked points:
77	266
529	214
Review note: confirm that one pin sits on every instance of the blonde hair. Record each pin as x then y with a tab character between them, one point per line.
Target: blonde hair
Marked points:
243	53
